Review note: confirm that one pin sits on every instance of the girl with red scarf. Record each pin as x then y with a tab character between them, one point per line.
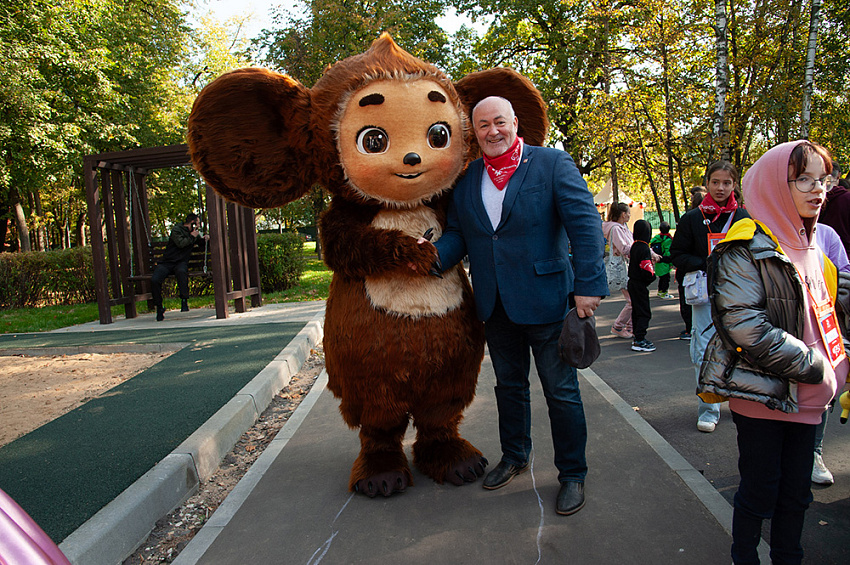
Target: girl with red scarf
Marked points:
697	232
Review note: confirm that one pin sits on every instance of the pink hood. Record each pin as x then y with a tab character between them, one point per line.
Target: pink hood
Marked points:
768	199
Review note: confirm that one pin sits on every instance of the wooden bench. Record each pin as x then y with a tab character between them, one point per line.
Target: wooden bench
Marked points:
199	261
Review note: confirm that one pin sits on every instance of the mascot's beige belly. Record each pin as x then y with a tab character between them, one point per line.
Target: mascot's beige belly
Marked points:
414	296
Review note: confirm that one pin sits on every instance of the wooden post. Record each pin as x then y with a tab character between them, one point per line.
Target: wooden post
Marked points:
217	252
236	264
123	244
97	249
111	248
253	259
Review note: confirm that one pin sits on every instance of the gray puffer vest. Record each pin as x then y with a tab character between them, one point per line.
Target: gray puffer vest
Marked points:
757	306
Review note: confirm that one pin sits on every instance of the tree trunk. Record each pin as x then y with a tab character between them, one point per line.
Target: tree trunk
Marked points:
668	127
23	230
808	86
66	233
649	176
4	231
317	201
80	231
40	227
612	157
685	191
721	140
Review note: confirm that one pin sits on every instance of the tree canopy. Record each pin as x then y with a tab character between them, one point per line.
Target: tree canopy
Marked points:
631	84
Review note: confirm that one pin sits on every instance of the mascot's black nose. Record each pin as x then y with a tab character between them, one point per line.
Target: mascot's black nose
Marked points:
412	159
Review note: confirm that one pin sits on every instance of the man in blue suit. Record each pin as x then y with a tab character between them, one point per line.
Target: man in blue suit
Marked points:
517	214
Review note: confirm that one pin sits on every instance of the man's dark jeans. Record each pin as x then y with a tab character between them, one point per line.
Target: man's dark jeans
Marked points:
775	463
510	346
180	272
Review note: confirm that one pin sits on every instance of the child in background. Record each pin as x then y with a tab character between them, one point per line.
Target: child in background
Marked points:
660	244
641	275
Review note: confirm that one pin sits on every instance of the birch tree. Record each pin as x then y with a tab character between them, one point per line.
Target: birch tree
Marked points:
808	86
720	139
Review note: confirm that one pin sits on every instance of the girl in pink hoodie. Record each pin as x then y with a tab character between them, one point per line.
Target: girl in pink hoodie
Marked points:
773	305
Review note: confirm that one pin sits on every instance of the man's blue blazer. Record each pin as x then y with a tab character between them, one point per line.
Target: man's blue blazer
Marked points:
526	260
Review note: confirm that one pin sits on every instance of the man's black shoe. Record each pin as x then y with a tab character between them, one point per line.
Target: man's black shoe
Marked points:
184	305
160	313
570	498
502	475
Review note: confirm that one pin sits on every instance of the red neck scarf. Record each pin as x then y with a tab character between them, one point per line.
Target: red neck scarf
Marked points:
709	206
501	168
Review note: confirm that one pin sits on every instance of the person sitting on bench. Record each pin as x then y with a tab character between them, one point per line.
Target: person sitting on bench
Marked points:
175	260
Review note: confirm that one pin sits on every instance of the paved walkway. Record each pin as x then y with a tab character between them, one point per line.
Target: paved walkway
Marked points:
646	504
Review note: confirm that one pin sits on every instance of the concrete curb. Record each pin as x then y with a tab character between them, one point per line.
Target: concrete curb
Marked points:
224	513
112	534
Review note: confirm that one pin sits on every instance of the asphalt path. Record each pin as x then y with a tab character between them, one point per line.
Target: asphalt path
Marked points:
661	387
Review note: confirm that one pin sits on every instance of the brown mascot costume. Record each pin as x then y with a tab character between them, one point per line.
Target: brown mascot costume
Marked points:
387	135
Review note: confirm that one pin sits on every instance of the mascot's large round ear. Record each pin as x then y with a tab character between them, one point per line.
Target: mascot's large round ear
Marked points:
529	107
249	135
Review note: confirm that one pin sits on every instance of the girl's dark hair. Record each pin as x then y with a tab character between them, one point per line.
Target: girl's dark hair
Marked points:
723	166
616	210
803	152
697	196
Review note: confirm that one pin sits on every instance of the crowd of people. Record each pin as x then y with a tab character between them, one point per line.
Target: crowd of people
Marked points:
763	279
758	289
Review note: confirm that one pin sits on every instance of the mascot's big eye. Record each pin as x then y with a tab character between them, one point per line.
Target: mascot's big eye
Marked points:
439	136
372	140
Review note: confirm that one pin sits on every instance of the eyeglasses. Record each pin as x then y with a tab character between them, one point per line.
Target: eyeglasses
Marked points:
805	183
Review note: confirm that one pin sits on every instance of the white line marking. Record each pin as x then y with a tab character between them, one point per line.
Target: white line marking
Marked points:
542	512
327	545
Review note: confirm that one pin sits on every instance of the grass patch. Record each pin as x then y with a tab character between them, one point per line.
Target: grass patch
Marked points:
314	284
46	318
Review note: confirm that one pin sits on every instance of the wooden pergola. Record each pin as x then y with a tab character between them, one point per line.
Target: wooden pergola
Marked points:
119	203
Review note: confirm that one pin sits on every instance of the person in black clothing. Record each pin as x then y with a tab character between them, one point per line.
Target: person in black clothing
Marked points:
175	260
697	195
641	275
697	232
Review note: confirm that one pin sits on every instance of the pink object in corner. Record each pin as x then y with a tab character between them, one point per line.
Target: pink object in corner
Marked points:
22	541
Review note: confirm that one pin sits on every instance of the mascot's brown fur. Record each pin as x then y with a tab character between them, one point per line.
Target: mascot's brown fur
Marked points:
387	135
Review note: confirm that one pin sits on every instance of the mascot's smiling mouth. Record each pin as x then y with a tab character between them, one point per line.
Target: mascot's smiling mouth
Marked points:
413	176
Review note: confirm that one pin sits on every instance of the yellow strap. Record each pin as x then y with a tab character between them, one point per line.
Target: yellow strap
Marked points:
711	398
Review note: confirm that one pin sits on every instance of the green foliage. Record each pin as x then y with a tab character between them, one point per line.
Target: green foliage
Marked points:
294	215
218	47
39	278
80	77
314	283
281	263
638	77
330	30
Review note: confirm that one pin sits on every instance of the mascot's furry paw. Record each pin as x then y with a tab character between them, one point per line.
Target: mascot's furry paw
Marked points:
386	484
383	472
467	471
454	460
